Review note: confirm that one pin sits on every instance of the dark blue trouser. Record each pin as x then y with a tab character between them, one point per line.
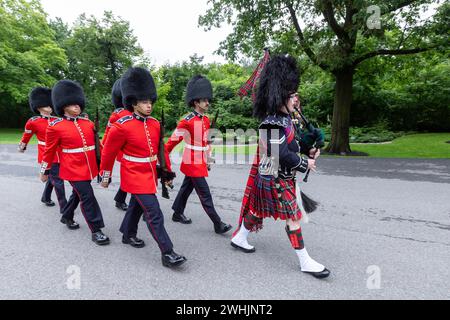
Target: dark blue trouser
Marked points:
121	196
54	181
83	194
148	205
201	187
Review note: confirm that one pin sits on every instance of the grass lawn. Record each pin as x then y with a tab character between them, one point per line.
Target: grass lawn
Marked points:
13	136
426	145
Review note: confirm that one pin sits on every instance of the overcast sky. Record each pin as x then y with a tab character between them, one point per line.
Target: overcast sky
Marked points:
167	29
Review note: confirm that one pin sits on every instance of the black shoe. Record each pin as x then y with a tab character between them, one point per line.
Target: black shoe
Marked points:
222	228
134	242
72	225
49	203
320	275
100	239
122	206
172	260
181	218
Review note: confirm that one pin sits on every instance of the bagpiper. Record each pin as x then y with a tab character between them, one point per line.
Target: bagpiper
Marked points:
120	112
194	130
40	101
75	136
138	136
271	189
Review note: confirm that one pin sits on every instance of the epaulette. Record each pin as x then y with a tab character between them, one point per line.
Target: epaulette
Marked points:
275	121
35	118
55	122
190	117
124	119
119	110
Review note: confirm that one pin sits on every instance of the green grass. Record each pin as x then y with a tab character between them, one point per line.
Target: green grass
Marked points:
426	145
13	136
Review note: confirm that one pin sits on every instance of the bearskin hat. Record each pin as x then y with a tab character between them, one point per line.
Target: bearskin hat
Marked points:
279	79
117	95
66	93
137	85
40	97
198	88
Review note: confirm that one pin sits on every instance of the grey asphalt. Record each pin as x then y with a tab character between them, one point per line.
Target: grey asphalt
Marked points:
383	229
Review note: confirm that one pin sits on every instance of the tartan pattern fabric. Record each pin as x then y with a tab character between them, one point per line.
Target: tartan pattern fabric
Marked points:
251	83
296	238
252	222
261	198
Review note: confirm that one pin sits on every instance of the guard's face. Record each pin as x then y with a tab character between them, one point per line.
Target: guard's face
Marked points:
145	107
45	110
73	110
203	104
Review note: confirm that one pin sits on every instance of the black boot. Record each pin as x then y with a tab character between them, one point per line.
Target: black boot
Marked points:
221	228
172	259
135	242
181	218
49	203
100	239
122	206
72	225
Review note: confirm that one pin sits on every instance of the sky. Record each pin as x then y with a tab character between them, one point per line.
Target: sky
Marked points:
167	30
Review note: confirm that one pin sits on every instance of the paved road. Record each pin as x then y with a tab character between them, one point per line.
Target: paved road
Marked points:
382	224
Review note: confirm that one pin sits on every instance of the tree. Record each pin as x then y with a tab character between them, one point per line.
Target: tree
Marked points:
29	56
99	52
336	35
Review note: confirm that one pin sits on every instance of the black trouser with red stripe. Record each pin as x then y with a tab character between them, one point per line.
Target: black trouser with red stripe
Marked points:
201	187
83	194
148	205
55	182
121	196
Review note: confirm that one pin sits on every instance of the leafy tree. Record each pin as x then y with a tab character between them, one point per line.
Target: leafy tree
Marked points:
339	36
99	51
29	57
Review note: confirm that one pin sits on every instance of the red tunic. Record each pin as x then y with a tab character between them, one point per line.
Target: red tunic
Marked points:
75	136
38	126
194	131
116	115
138	138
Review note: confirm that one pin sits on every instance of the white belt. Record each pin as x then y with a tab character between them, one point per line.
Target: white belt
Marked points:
195	148
41	143
79	150
140	160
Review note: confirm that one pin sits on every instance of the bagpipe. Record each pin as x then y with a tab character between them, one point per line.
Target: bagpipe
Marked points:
309	137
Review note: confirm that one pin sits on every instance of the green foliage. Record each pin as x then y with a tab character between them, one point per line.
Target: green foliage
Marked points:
29	57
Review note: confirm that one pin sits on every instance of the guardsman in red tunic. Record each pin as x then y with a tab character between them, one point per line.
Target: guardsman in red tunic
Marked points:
41	103
137	136
119	113
194	131
75	136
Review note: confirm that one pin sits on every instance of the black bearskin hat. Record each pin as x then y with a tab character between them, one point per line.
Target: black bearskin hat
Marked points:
137	85
279	79
117	94
66	93
198	88
40	97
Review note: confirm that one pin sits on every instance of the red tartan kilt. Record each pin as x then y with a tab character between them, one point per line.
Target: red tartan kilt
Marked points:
264	200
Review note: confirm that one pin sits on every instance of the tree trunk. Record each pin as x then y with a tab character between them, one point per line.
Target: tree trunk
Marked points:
340	133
